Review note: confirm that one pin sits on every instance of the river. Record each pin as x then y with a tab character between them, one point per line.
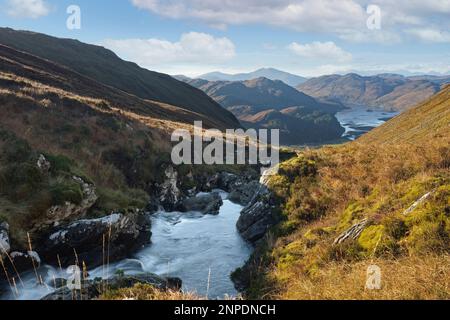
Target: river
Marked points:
202	250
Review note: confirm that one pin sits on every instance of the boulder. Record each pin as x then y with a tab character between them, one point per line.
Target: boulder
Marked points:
97	241
170	194
57	215
205	203
43	164
5	245
92	289
243	194
24	261
259	216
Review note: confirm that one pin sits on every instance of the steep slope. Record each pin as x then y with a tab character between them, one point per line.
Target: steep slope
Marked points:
380	201
105	67
297	125
420	124
56	124
269	73
386	91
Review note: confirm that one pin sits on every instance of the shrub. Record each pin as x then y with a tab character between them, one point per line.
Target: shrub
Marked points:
66	191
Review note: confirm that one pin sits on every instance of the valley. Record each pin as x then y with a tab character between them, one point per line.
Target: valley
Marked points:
87	180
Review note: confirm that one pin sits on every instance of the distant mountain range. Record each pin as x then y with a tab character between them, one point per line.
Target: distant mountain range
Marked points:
106	67
384	91
261	94
269	73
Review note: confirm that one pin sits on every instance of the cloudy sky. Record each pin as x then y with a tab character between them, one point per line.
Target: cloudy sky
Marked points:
306	37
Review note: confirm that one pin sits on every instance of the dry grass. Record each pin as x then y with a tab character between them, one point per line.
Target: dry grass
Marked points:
148	292
425	278
324	192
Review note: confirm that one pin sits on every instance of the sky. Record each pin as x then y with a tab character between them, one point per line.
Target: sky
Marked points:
305	37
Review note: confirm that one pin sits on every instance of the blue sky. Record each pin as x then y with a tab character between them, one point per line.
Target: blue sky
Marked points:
306	37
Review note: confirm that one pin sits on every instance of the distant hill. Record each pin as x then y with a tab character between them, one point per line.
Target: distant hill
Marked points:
269	73
264	103
421	124
298	125
106	67
261	94
442	80
386	91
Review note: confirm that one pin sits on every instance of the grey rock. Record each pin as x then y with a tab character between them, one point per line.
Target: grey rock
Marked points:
92	289
258	217
57	215
43	164
170	194
244	193
206	204
5	245
111	238
22	261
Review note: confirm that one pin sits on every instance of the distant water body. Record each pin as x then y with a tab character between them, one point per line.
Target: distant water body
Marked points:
359	121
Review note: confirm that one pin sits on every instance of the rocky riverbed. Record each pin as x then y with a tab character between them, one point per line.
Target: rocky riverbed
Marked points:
196	235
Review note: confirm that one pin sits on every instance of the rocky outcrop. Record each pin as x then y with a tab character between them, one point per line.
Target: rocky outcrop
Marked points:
57	215
204	203
5	245
43	164
244	193
352	233
170	194
23	261
97	241
419	202
259	216
92	289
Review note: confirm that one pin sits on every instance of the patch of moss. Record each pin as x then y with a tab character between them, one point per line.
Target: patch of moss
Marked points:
118	201
66	191
353	213
429	224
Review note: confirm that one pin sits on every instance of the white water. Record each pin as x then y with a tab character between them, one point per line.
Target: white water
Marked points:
186	245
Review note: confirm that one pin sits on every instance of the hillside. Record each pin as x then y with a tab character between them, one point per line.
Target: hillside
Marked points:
269	73
52	117
105	67
297	125
260	93
264	103
387	91
417	125
382	200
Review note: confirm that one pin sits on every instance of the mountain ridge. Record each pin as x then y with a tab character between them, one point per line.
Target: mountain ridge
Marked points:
106	67
269	73
385	91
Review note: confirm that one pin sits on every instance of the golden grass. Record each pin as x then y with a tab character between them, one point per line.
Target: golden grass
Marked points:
323	192
147	292
425	278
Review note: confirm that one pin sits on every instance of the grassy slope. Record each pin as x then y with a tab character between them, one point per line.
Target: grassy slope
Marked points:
324	192
113	139
105	67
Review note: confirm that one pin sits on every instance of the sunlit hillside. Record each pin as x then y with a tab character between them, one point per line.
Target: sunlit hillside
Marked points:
382	200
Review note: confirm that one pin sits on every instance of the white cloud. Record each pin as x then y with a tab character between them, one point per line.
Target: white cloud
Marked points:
192	48
431	35
27	8
371	36
301	15
346	18
321	51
